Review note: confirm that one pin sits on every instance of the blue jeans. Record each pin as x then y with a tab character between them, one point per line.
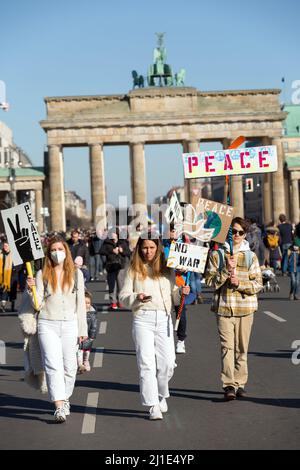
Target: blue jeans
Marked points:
284	261
195	283
96	265
295	282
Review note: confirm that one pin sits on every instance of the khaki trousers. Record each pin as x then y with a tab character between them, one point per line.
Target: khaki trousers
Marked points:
234	335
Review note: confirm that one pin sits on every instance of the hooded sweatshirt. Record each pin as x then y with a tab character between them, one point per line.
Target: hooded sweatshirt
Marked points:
229	300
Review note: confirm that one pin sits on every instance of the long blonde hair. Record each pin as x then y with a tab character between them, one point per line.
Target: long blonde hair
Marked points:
49	275
138	266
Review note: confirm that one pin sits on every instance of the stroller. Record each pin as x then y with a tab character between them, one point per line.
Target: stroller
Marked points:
270	283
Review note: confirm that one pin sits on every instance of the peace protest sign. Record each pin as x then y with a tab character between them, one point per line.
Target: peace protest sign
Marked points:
22	240
22	234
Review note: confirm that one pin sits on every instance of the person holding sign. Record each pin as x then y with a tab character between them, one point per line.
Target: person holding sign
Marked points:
149	291
180	276
6	270
61	321
237	279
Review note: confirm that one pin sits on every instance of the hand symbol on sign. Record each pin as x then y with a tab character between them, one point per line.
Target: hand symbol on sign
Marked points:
22	240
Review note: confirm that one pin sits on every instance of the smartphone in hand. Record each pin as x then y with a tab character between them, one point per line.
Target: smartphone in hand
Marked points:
147	298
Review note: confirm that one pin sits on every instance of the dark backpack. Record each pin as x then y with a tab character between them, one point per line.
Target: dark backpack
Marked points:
253	239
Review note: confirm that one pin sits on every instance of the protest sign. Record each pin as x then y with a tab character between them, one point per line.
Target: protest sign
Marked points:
217	216
230	162
174	211
188	257
193	224
22	235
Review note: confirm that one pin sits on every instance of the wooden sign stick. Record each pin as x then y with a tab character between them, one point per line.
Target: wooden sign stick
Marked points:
33	289
234	145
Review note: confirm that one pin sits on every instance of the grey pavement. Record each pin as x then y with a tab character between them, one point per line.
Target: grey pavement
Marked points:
106	412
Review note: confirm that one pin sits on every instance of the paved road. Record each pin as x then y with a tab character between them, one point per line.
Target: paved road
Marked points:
106	410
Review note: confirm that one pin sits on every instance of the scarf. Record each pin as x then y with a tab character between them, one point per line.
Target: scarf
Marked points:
5	271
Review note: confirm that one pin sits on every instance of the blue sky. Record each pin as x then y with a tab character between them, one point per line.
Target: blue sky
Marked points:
71	47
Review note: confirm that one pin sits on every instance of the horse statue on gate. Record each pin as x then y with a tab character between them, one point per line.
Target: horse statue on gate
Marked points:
138	80
180	77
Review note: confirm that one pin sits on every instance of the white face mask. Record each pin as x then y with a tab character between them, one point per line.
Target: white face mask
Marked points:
58	256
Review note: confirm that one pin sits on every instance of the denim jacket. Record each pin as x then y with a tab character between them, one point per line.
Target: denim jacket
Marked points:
294	262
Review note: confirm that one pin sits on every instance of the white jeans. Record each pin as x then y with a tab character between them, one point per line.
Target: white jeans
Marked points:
152	333
58	341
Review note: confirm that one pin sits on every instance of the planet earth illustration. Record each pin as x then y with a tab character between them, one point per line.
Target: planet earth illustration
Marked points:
213	221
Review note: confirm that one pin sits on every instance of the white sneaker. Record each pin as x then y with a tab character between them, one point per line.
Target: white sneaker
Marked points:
67	407
163	405
60	415
180	347
155	413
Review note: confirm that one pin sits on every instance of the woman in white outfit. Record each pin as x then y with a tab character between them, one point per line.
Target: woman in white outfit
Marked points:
61	322
149	290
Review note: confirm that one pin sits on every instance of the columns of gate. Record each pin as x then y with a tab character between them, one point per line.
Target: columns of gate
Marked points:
97	176
138	173
295	198
278	183
38	207
187	184
56	185
267	190
236	188
195	185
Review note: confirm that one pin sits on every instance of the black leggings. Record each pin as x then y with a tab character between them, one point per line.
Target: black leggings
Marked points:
181	332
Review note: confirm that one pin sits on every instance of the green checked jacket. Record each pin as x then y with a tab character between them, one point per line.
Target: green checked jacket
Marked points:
234	301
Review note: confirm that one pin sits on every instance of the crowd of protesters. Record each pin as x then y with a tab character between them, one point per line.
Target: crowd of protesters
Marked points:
135	272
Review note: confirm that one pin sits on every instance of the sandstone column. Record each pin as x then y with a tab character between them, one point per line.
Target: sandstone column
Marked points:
38	206
195	184
267	190
187	185
278	183
97	185
138	173
267	198
295	199
56	184
236	188
237	195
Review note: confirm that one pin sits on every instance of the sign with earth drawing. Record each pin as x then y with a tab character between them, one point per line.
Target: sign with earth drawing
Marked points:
209	220
217	216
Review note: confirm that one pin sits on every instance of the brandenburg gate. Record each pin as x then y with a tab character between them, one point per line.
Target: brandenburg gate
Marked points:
160	115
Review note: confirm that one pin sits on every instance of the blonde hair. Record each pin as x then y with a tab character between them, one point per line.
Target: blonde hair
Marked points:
138	265
49	274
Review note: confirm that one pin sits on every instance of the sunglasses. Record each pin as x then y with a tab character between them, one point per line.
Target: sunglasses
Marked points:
238	232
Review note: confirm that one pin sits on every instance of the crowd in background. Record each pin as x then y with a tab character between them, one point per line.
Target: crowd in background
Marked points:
107	253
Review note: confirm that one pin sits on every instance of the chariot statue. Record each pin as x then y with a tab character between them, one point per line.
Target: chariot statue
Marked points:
159	73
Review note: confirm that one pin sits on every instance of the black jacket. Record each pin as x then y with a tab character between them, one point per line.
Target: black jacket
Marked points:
115	262
92	329
95	245
80	249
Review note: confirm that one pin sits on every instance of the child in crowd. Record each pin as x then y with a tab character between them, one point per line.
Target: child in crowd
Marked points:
294	271
85	347
78	261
